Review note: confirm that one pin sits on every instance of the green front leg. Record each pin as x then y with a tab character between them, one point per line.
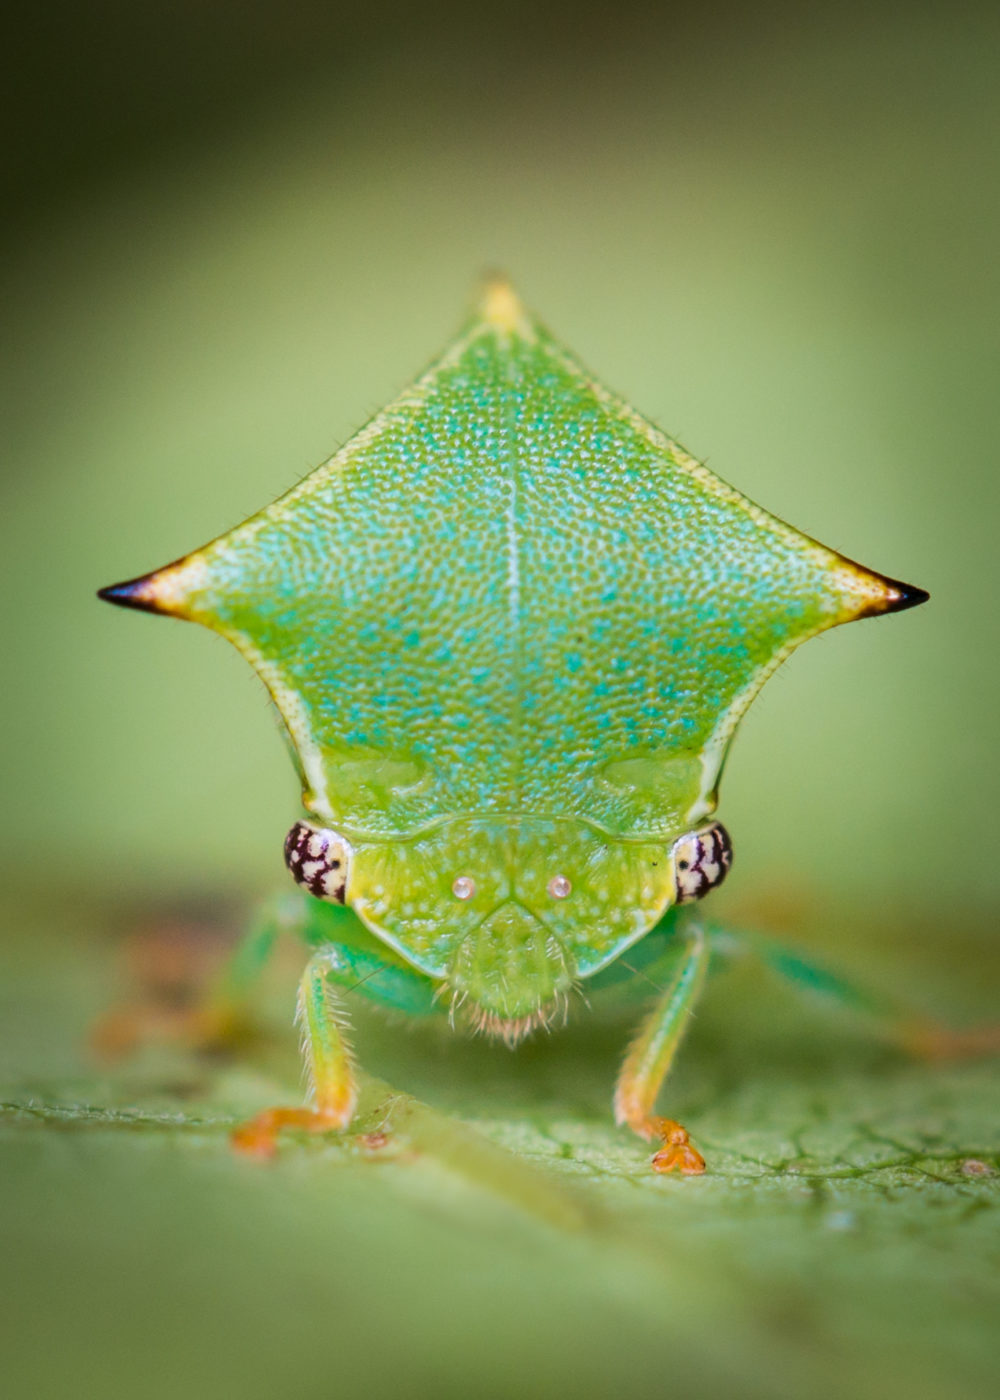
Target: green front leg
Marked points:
356	964
684	968
357	960
362	964
223	1013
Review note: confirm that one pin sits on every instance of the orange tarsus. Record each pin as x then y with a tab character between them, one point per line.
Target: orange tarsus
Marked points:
928	1041
259	1136
120	1032
676	1151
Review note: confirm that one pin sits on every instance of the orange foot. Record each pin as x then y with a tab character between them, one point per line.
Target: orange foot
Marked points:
121	1032
928	1041
259	1137
676	1151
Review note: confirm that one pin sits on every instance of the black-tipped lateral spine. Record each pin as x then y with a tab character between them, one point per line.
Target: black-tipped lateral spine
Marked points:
909	596
133	593
896	597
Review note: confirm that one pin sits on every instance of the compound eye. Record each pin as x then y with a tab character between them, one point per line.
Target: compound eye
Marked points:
319	860
701	861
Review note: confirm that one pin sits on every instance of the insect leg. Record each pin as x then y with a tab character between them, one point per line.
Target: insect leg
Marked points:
213	1018
357	961
363	965
329	1064
651	1054
332	972
918	1034
223	1013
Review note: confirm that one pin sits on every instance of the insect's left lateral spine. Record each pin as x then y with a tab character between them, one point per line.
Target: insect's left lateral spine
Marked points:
170	590
134	593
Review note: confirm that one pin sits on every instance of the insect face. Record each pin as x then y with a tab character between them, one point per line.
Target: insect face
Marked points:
507	914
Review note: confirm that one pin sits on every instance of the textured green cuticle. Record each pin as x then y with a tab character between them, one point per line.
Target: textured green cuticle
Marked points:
511	628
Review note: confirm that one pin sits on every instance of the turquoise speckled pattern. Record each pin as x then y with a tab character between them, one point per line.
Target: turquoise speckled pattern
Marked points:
510	628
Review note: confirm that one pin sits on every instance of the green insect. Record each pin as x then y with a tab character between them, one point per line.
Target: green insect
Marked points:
510	629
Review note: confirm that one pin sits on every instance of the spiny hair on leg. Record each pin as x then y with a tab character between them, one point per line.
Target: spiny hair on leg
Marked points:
333	1010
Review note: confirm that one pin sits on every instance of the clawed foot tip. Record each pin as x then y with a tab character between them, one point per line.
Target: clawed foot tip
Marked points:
676	1154
683	1159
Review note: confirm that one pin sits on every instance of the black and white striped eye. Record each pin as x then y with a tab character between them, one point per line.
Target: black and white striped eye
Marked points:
319	860
701	861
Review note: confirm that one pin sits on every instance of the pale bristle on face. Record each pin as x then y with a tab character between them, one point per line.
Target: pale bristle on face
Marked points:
512	1030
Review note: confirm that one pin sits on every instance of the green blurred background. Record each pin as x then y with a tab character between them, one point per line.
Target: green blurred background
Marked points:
235	230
